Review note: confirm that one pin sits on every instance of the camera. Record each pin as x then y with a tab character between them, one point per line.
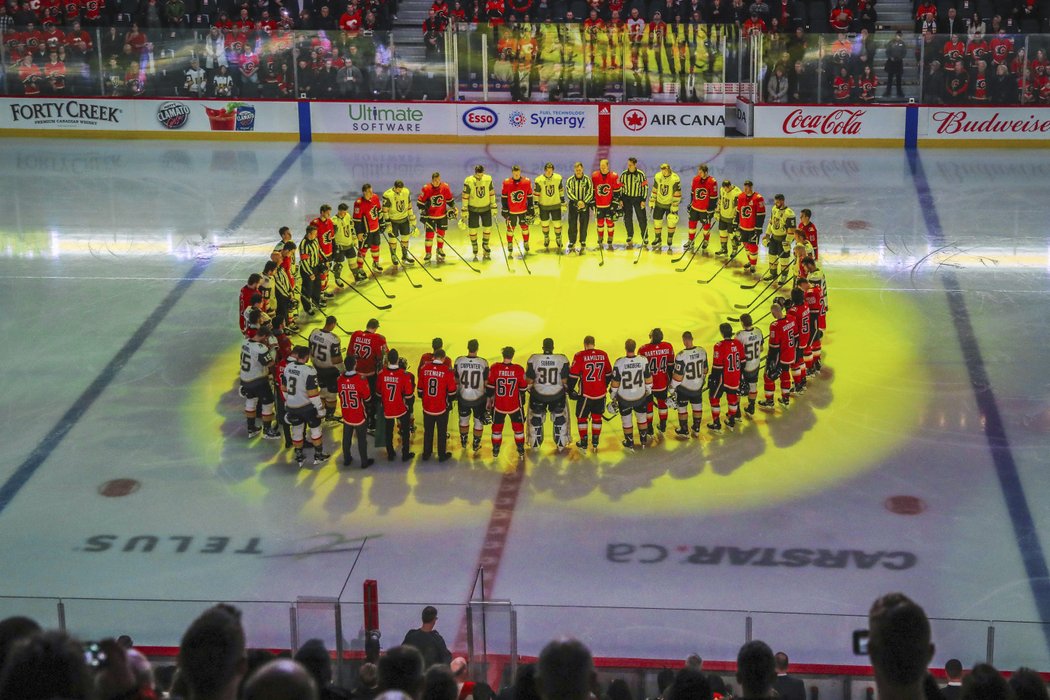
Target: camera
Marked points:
860	642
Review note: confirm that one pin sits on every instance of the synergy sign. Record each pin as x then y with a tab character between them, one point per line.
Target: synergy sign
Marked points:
528	120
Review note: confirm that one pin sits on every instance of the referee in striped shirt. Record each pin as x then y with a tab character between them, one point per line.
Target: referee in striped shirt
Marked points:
312	266
634	190
579	192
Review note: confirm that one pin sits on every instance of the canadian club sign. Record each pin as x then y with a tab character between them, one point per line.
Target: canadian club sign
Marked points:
988	123
838	122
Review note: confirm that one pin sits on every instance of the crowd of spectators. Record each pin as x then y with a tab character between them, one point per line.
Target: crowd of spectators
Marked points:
214	663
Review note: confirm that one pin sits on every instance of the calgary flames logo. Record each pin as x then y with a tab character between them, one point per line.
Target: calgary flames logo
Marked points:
603	190
517	196
745	211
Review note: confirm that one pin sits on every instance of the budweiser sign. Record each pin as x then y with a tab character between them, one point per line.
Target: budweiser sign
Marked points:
838	122
985	121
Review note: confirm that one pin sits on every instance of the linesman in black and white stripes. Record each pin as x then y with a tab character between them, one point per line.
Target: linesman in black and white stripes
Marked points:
579	192
634	190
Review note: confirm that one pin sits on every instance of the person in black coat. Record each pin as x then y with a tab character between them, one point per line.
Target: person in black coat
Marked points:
788	687
1002	88
427	640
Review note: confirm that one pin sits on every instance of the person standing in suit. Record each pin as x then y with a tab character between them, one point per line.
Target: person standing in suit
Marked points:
954	671
788	687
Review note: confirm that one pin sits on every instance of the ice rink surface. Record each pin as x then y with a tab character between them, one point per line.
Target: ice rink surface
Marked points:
917	463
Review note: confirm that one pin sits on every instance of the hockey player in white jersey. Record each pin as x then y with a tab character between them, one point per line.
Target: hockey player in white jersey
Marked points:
548	375
302	404
753	341
327	356
256	363
687	383
631	384
471	374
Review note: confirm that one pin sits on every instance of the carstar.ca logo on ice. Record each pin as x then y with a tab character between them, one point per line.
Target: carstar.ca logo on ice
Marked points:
635	119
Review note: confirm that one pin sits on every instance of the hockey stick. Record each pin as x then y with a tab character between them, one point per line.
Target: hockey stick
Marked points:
460	256
521	250
722	268
601	252
381	307
506	258
759	301
404	269
422	266
375	276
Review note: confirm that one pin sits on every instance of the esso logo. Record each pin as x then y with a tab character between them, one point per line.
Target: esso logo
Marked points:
480	119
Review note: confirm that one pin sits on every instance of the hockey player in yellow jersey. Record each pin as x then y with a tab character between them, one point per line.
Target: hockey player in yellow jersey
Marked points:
781	228
727	198
550	202
397	208
479	206
665	198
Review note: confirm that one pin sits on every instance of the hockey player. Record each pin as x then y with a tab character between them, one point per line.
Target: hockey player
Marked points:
327	359
326	240
312	264
634	190
815	302
800	312
256	365
606	200
437	388
369	347
517	204
727	221
726	363
302	404
435	204
248	291
630	387
687	382
752	341
781	230
750	219
803	250
345	243
479	206
548	377
397	208
354	398
660	356
506	391
368	218
435	345
579	195
665	200
550	198
703	202
783	338
589	378
809	229
471	375
396	390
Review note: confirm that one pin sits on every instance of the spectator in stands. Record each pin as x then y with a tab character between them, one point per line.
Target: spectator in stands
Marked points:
13	629
142	671
175	13
957	84
280	679
367	686
718	687
842	87
690	683
428	640
438	683
979	84
565	670
401	674
933	84
755	670
461	675
212	655
867	84
952	24
953	671
895	50
1028	685
1002	89
899	646
985	683
777	86
313	656
787	687
46	665
867	16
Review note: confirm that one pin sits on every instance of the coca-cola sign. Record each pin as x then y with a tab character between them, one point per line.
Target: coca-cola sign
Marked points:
839	122
988	123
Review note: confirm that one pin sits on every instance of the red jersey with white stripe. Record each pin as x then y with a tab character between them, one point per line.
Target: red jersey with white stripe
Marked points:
783	335
395	389
592	368
605	186
661	362
810	231
436	383
369	349
802	323
353	397
245	301
325	233
366	213
507	381
428	357
705	194
728	357
517	195
436	200
749	207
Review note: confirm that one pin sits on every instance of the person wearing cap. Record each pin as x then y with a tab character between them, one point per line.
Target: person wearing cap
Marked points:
665	200
727	198
781	226
479	206
369	347
751	218
550	201
634	189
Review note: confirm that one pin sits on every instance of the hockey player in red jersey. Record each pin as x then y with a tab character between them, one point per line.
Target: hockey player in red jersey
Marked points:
368	215
783	339
396	390
660	355
325	238
807	227
436	205
589	377
354	398
369	347
516	203
702	205
815	301
606	200
506	389
245	300
437	388
727	361
751	220
815	275
800	312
